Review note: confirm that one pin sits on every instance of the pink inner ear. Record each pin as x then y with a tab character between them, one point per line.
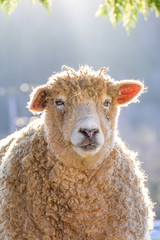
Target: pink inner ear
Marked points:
40	102
128	91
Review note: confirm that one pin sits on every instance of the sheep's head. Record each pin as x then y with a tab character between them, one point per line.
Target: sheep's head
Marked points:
80	111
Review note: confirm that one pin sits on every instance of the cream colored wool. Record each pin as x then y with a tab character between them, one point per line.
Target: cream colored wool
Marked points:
49	192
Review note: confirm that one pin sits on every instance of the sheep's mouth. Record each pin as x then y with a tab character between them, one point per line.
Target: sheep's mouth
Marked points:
88	147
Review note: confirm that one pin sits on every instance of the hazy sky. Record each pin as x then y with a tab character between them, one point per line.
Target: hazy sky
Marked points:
35	43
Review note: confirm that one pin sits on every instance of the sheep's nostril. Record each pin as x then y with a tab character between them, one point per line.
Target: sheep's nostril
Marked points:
90	133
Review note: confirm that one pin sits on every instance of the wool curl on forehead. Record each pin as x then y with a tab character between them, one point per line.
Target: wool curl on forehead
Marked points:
87	71
83	72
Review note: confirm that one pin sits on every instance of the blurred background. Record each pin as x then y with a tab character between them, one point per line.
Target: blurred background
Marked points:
34	44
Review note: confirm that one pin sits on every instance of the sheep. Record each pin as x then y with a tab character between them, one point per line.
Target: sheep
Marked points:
67	175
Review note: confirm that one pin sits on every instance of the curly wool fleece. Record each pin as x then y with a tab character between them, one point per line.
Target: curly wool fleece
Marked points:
49	192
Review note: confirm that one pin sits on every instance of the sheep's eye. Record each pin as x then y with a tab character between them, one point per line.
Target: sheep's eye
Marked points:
106	103
59	104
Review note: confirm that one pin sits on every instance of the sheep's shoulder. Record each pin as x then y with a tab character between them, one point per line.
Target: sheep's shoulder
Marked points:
19	144
5	144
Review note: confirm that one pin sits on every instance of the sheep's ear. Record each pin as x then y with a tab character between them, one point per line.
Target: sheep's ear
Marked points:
129	91
38	99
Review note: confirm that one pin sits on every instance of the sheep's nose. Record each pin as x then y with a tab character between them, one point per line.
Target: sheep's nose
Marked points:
90	133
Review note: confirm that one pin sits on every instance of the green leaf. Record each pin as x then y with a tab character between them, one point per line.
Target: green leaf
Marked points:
102	10
8	6
157	5
46	4
126	11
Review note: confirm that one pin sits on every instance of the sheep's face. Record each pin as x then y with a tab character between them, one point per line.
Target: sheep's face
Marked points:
81	111
86	126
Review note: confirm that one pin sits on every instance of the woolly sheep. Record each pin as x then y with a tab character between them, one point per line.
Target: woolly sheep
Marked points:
67	175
